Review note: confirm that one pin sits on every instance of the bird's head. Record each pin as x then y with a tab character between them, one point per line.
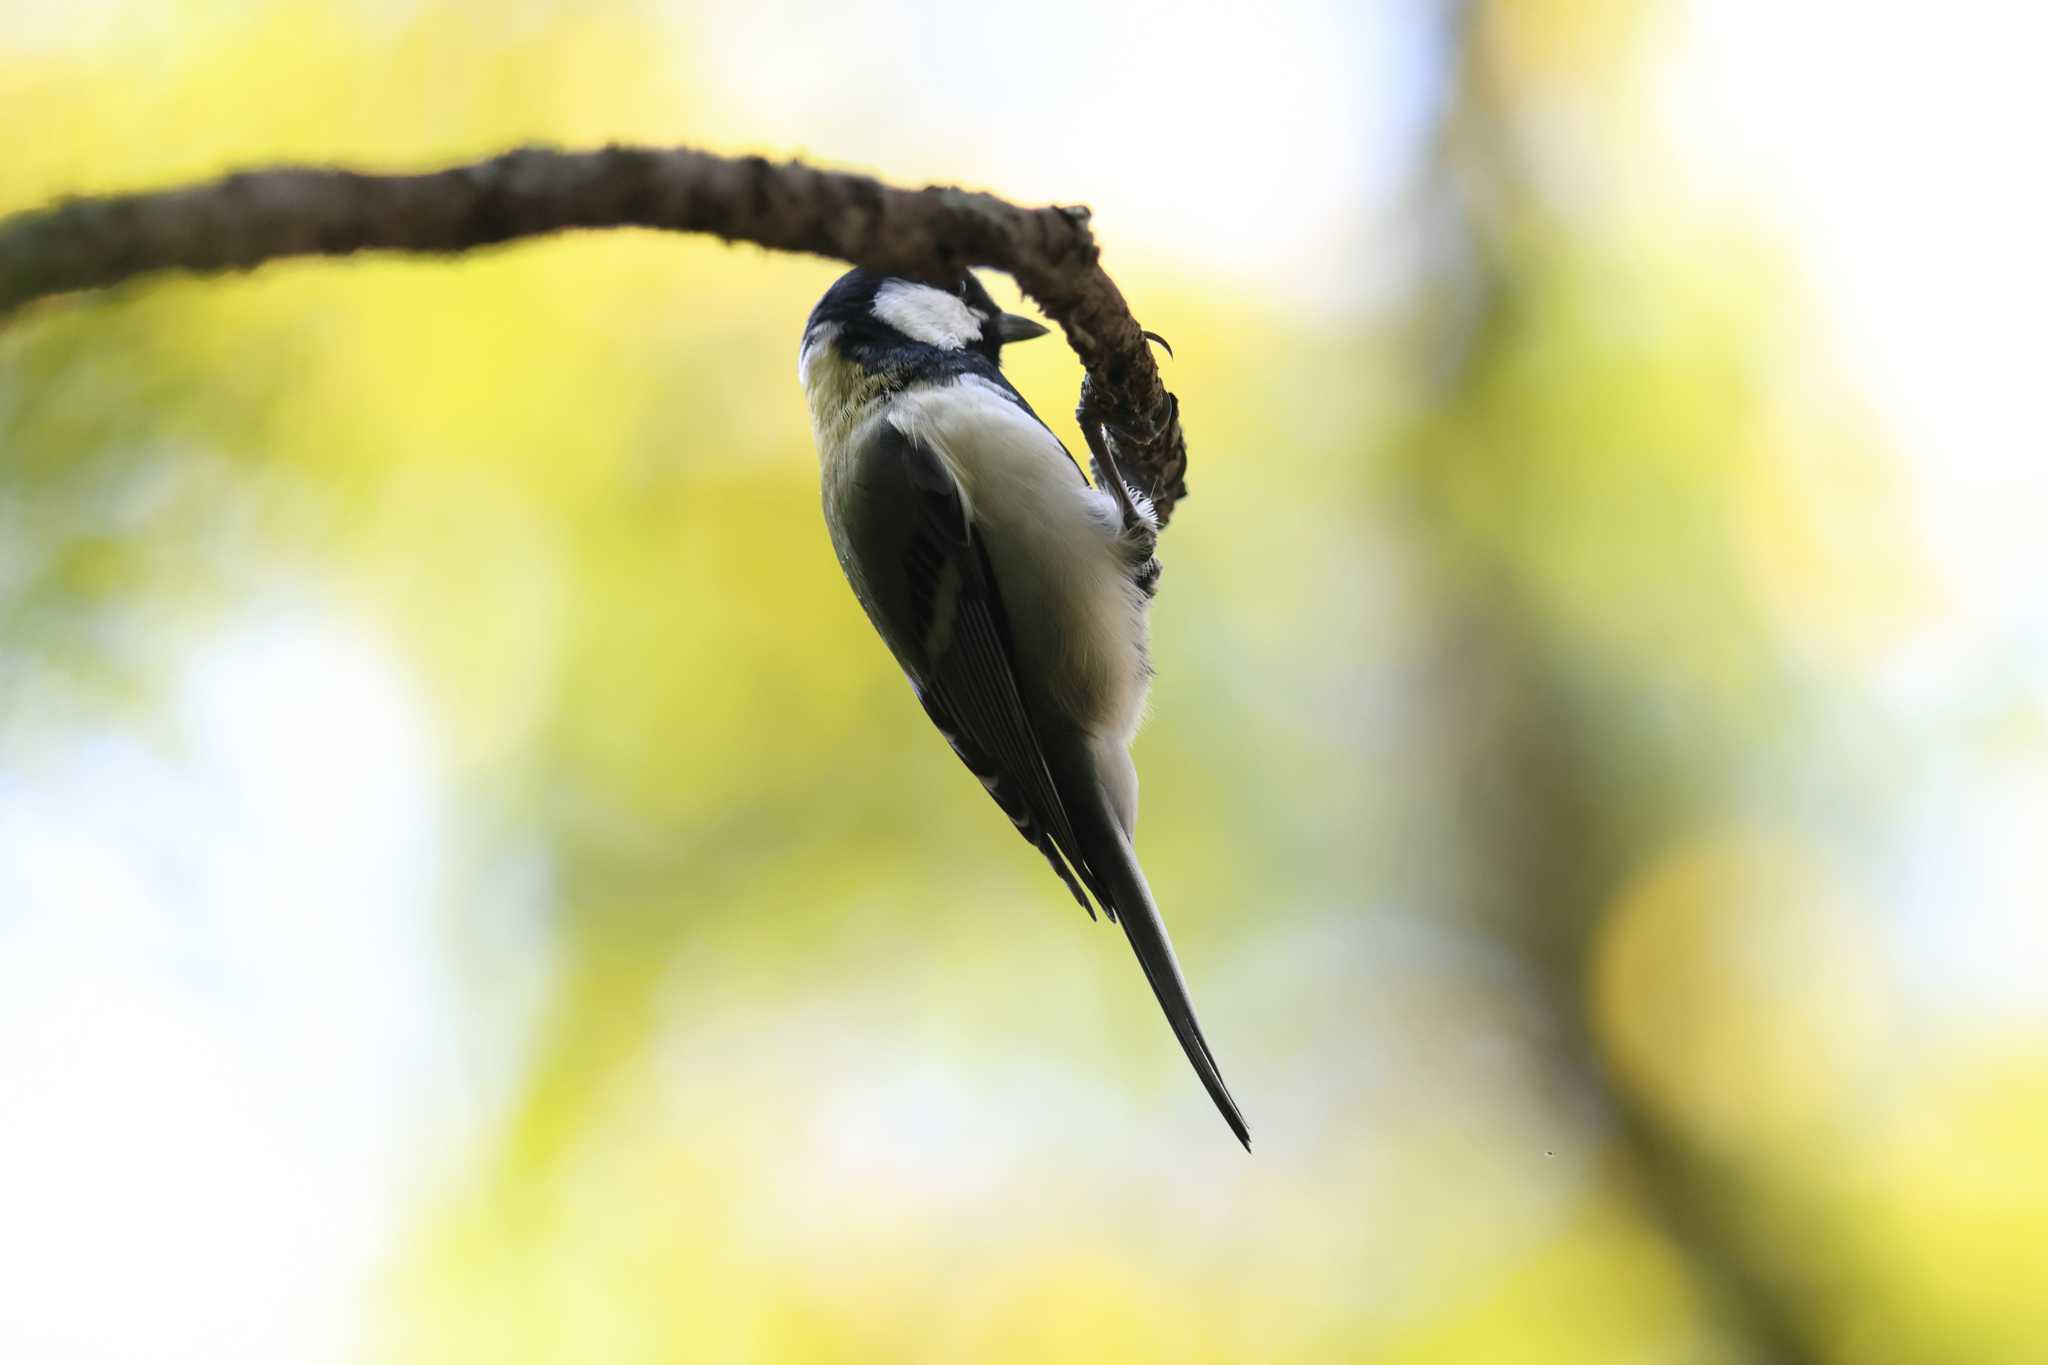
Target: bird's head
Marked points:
884	322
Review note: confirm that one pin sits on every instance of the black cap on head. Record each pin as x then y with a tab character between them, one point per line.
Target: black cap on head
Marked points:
888	311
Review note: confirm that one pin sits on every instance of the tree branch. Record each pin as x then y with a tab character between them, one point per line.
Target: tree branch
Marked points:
241	221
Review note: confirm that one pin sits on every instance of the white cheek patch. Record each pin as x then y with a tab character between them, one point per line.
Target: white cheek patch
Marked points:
930	315
816	344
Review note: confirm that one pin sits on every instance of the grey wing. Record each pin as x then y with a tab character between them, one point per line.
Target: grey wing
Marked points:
950	633
924	576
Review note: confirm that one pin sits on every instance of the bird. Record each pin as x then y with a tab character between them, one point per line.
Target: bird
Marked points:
1012	593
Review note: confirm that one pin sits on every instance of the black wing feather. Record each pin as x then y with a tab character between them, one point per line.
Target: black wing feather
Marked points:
964	678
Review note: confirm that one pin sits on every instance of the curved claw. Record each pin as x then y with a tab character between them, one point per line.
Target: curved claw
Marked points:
1154	336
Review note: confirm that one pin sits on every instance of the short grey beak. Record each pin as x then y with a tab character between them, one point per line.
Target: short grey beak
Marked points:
1013	327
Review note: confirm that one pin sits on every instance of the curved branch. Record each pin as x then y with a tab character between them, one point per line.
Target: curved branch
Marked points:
248	218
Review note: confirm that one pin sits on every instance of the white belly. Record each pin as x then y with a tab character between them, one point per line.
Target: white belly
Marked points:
1078	619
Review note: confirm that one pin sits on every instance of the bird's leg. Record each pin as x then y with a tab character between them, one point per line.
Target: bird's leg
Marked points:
1140	529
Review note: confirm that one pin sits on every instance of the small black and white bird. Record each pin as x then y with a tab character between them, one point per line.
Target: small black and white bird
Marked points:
1012	593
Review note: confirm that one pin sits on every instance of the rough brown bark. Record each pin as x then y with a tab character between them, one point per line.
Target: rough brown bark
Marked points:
255	216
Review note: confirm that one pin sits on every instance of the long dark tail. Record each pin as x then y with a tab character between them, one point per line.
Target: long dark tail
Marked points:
1118	878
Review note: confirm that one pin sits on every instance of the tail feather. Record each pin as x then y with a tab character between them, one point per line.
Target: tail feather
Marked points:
1121	882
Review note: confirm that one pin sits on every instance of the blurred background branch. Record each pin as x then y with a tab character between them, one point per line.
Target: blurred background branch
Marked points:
1544	805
